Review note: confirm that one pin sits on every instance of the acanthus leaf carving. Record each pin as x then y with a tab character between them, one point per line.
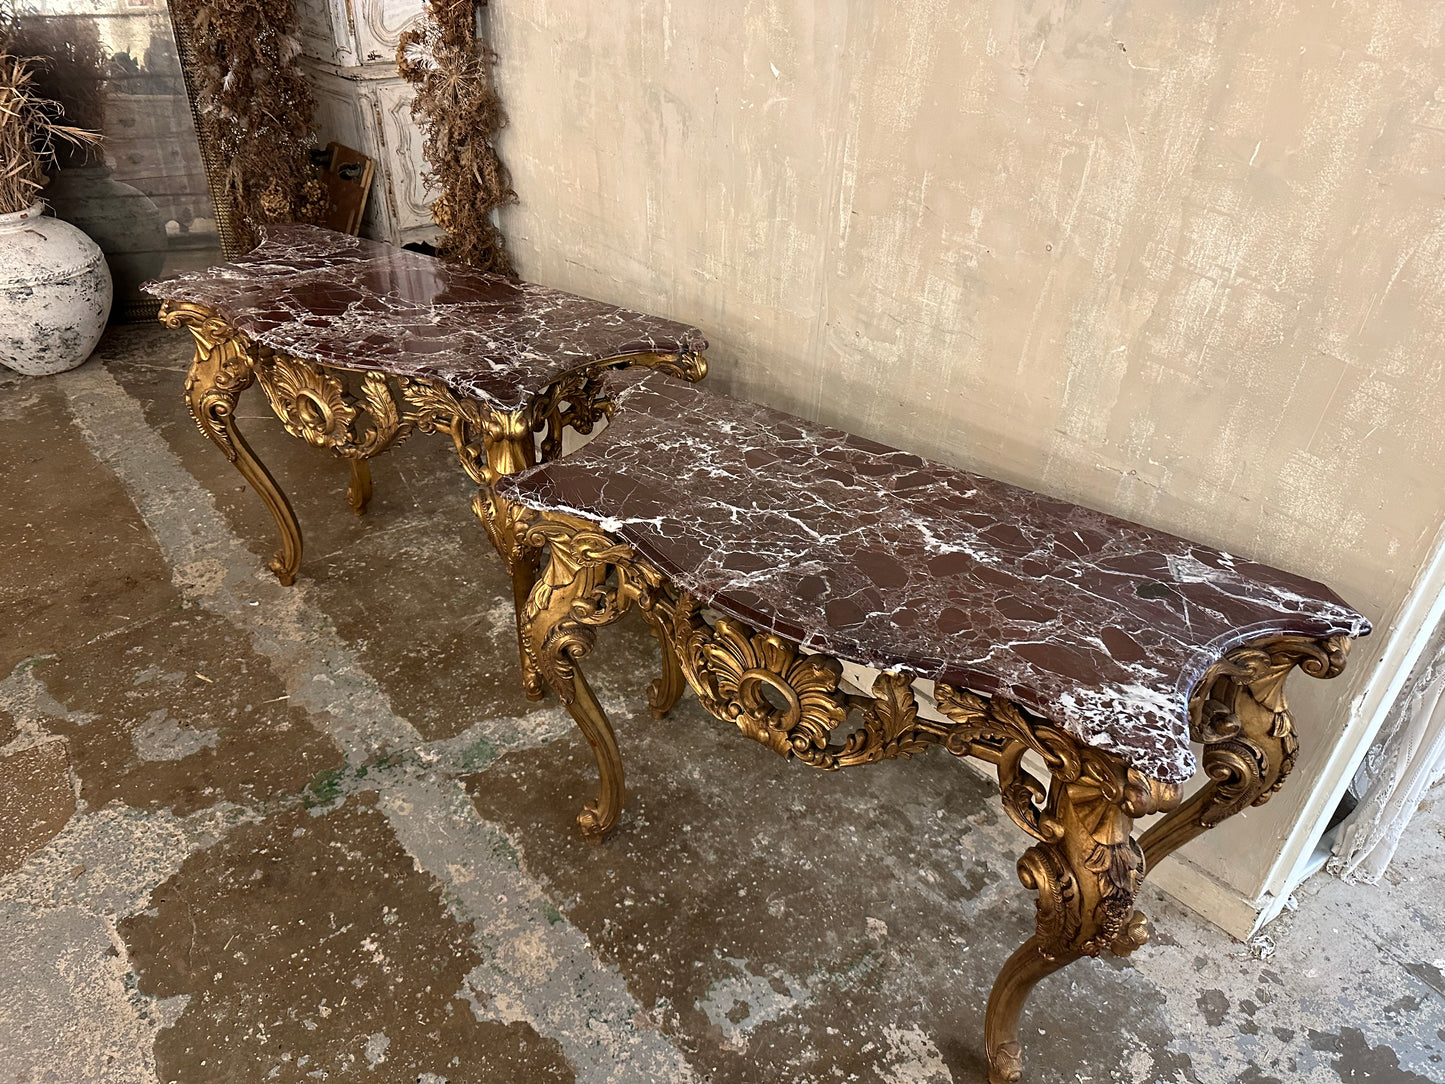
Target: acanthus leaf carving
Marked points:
312	403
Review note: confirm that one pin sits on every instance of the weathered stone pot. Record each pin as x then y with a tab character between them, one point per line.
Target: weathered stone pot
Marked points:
118	217
55	293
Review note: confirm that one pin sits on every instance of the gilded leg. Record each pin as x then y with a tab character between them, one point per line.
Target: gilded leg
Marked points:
510	447
1086	873
524	579
1085	867
358	493
599	816
1240	713
222	370
666	689
588	581
555	641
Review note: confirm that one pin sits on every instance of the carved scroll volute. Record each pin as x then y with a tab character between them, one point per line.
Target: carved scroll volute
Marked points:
431	408
1086	867
575	401
690	367
1240	713
588	580
1245	723
219	373
775	694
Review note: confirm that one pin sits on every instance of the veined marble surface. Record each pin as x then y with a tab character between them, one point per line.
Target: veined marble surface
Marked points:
880	557
339	300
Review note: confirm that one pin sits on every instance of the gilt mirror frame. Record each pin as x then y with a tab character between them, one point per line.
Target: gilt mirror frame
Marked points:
232	244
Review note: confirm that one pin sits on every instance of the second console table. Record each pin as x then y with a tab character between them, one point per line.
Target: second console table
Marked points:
765	550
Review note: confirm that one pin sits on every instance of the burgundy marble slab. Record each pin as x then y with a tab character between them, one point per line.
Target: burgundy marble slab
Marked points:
883	558
339	300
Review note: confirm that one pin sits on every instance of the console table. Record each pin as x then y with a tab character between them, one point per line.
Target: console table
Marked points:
357	345
763	549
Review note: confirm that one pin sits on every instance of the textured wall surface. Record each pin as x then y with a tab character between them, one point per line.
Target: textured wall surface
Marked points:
1179	262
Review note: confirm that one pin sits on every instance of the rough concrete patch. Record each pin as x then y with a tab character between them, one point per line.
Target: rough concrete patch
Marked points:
1214	1005
36	799
109	860
29	703
535	969
1356	1060
313	943
376	1044
69	1010
737	1004
162	737
913	1058
75	1015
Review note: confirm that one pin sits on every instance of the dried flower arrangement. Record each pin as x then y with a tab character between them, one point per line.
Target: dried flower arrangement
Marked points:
70	70
457	102
257	104
30	124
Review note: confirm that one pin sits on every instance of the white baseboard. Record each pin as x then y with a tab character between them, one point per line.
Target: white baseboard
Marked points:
1206	897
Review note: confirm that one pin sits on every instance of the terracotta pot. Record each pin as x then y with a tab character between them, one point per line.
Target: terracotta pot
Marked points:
55	293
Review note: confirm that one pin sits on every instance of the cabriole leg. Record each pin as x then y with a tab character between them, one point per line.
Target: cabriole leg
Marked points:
220	372
1085	867
598	816
588	581
1086	879
358	493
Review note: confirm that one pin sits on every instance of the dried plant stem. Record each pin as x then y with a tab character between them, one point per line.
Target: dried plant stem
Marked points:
257	104
30	125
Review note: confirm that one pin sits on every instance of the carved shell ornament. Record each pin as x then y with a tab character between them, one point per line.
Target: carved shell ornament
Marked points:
776	695
311	403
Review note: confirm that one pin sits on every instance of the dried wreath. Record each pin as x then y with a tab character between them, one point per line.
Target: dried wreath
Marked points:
457	102
258	104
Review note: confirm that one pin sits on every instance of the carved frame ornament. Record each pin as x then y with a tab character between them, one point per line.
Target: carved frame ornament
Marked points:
1085	864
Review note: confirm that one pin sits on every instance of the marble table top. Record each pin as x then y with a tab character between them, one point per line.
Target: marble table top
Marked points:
880	557
334	299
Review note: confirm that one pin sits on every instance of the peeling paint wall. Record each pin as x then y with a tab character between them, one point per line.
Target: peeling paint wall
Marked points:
1176	261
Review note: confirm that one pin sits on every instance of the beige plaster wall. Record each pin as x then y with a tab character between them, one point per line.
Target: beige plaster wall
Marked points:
1180	261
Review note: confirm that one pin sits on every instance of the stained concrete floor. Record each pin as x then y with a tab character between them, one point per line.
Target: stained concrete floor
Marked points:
252	833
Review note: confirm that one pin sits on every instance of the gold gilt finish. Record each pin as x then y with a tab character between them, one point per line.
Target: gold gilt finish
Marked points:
1085	864
221	371
360	415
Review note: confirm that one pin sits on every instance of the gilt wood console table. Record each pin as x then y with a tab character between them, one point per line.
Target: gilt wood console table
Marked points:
763	550
357	345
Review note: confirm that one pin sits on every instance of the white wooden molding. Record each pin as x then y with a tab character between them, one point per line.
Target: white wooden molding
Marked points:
1421	614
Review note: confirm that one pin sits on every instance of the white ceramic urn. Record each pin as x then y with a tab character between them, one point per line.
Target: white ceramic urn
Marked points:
55	293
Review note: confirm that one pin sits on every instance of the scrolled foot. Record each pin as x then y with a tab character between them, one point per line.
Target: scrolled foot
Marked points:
285	573
1135	934
1006	1064
596	824
533	687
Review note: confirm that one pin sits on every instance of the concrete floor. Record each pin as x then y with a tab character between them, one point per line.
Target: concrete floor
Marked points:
252	833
